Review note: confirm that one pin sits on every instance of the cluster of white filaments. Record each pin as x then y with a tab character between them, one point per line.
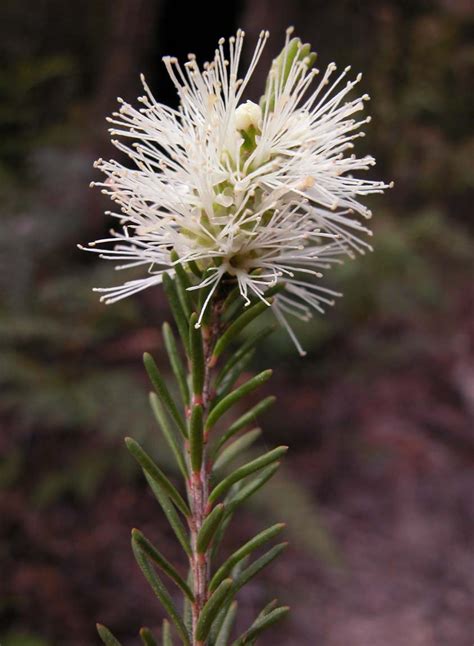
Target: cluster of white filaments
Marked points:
261	193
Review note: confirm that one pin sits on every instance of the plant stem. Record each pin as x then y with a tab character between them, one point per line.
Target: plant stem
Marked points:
198	485
198	492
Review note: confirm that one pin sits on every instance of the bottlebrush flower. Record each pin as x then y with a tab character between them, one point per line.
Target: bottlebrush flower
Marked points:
259	192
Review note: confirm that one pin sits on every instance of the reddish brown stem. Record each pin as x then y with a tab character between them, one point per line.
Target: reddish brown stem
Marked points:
198	488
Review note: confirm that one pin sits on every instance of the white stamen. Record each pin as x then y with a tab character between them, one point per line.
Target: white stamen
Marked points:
281	204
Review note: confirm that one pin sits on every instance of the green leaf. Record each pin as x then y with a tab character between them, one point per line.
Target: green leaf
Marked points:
260	624
168	433
236	395
197	358
106	636
152	553
244	349
171	514
211	608
232	375
220	534
268	608
195	269
156	474
177	309
233	450
247	418
246	549
237	326
251	487
167	640
163	392
188	606
217	625
276	289
238	498
246	470
182	284
209	528
226	628
196	438
147	638
161	592
258	565
175	362
230	299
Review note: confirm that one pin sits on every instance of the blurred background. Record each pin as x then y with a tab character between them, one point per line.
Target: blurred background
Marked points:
377	488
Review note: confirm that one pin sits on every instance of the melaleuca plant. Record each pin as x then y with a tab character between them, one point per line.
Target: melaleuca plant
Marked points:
235	208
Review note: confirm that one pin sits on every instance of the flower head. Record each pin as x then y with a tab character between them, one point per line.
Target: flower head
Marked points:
261	192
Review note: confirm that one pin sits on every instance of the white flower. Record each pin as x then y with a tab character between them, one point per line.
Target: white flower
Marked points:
263	193
248	115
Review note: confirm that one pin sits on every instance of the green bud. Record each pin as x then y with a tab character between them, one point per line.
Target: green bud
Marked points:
293	52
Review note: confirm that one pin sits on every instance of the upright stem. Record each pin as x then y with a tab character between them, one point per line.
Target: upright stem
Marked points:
198	490
198	485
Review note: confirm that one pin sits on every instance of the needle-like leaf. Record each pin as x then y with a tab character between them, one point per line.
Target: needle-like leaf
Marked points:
268	608
235	396
238	497
258	565
195	269
182	283
168	433
242	552
247	418
244	349
187	605
175	362
226	628
247	469
106	636
147	638
260	624
161	592
177	309
251	487
162	391
167	639
237	326
152	553
211	609
170	513
233	450
209	528
156	474
233	374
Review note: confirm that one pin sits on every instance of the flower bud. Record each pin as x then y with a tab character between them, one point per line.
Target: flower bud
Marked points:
248	115
293	53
